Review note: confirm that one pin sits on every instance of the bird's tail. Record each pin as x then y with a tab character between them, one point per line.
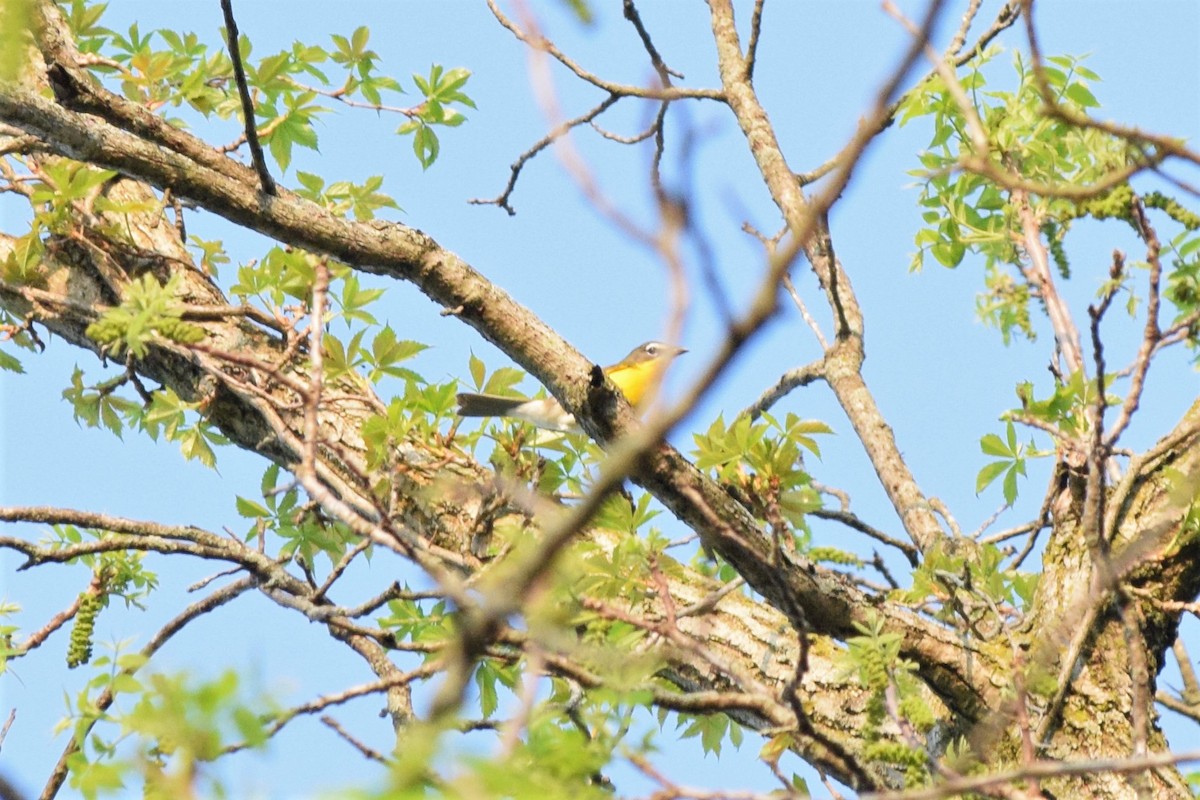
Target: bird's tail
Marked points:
544	412
487	405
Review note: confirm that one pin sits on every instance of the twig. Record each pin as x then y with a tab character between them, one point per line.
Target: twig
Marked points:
803	309
1095	483
203	582
708	603
539	43
1139	672
881	567
340	567
556	133
339	94
664	72
1189	710
373	755
944	70
960	36
36	638
792	379
510	734
1151	334
1038	769
1037	273
398	679
752	39
239	74
1187	670
8	723
853	521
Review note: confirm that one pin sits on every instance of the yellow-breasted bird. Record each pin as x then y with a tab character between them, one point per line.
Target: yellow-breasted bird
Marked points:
635	375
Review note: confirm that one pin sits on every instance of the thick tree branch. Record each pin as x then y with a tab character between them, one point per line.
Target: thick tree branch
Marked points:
809	229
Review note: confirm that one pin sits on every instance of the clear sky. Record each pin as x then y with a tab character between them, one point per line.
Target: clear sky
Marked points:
939	375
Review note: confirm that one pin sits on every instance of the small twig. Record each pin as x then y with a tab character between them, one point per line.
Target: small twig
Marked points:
803	309
709	602
169	199
879	565
1008	534
556	133
752	40
340	95
36	638
960	37
619	139
664	72
1139	673
203	582
1187	670
367	752
939	508
1021	713
792	379
852	521
1151	334
1096	488
970	784
540	43
1189	710
1037	274
8	723
340	567
510	735
1004	19
944	69
239	74
269	321
1164	146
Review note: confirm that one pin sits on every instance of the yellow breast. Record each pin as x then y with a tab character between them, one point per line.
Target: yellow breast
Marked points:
634	380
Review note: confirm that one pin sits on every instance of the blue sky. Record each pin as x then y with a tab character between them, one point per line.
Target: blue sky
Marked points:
940	376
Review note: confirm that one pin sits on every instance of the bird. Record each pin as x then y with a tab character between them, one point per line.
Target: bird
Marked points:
635	375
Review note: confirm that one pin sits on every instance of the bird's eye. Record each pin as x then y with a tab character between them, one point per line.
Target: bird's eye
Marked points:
651	349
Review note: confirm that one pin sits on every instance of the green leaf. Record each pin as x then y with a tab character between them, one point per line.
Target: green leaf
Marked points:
425	146
387	351
993	445
581	10
948	254
989	474
503	380
195	446
358	39
478	370
485	679
1010	486
10	363
251	509
1082	96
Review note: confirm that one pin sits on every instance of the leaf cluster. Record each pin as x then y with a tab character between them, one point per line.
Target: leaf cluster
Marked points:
291	88
149	309
895	699
968	211
764	463
176	725
305	532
